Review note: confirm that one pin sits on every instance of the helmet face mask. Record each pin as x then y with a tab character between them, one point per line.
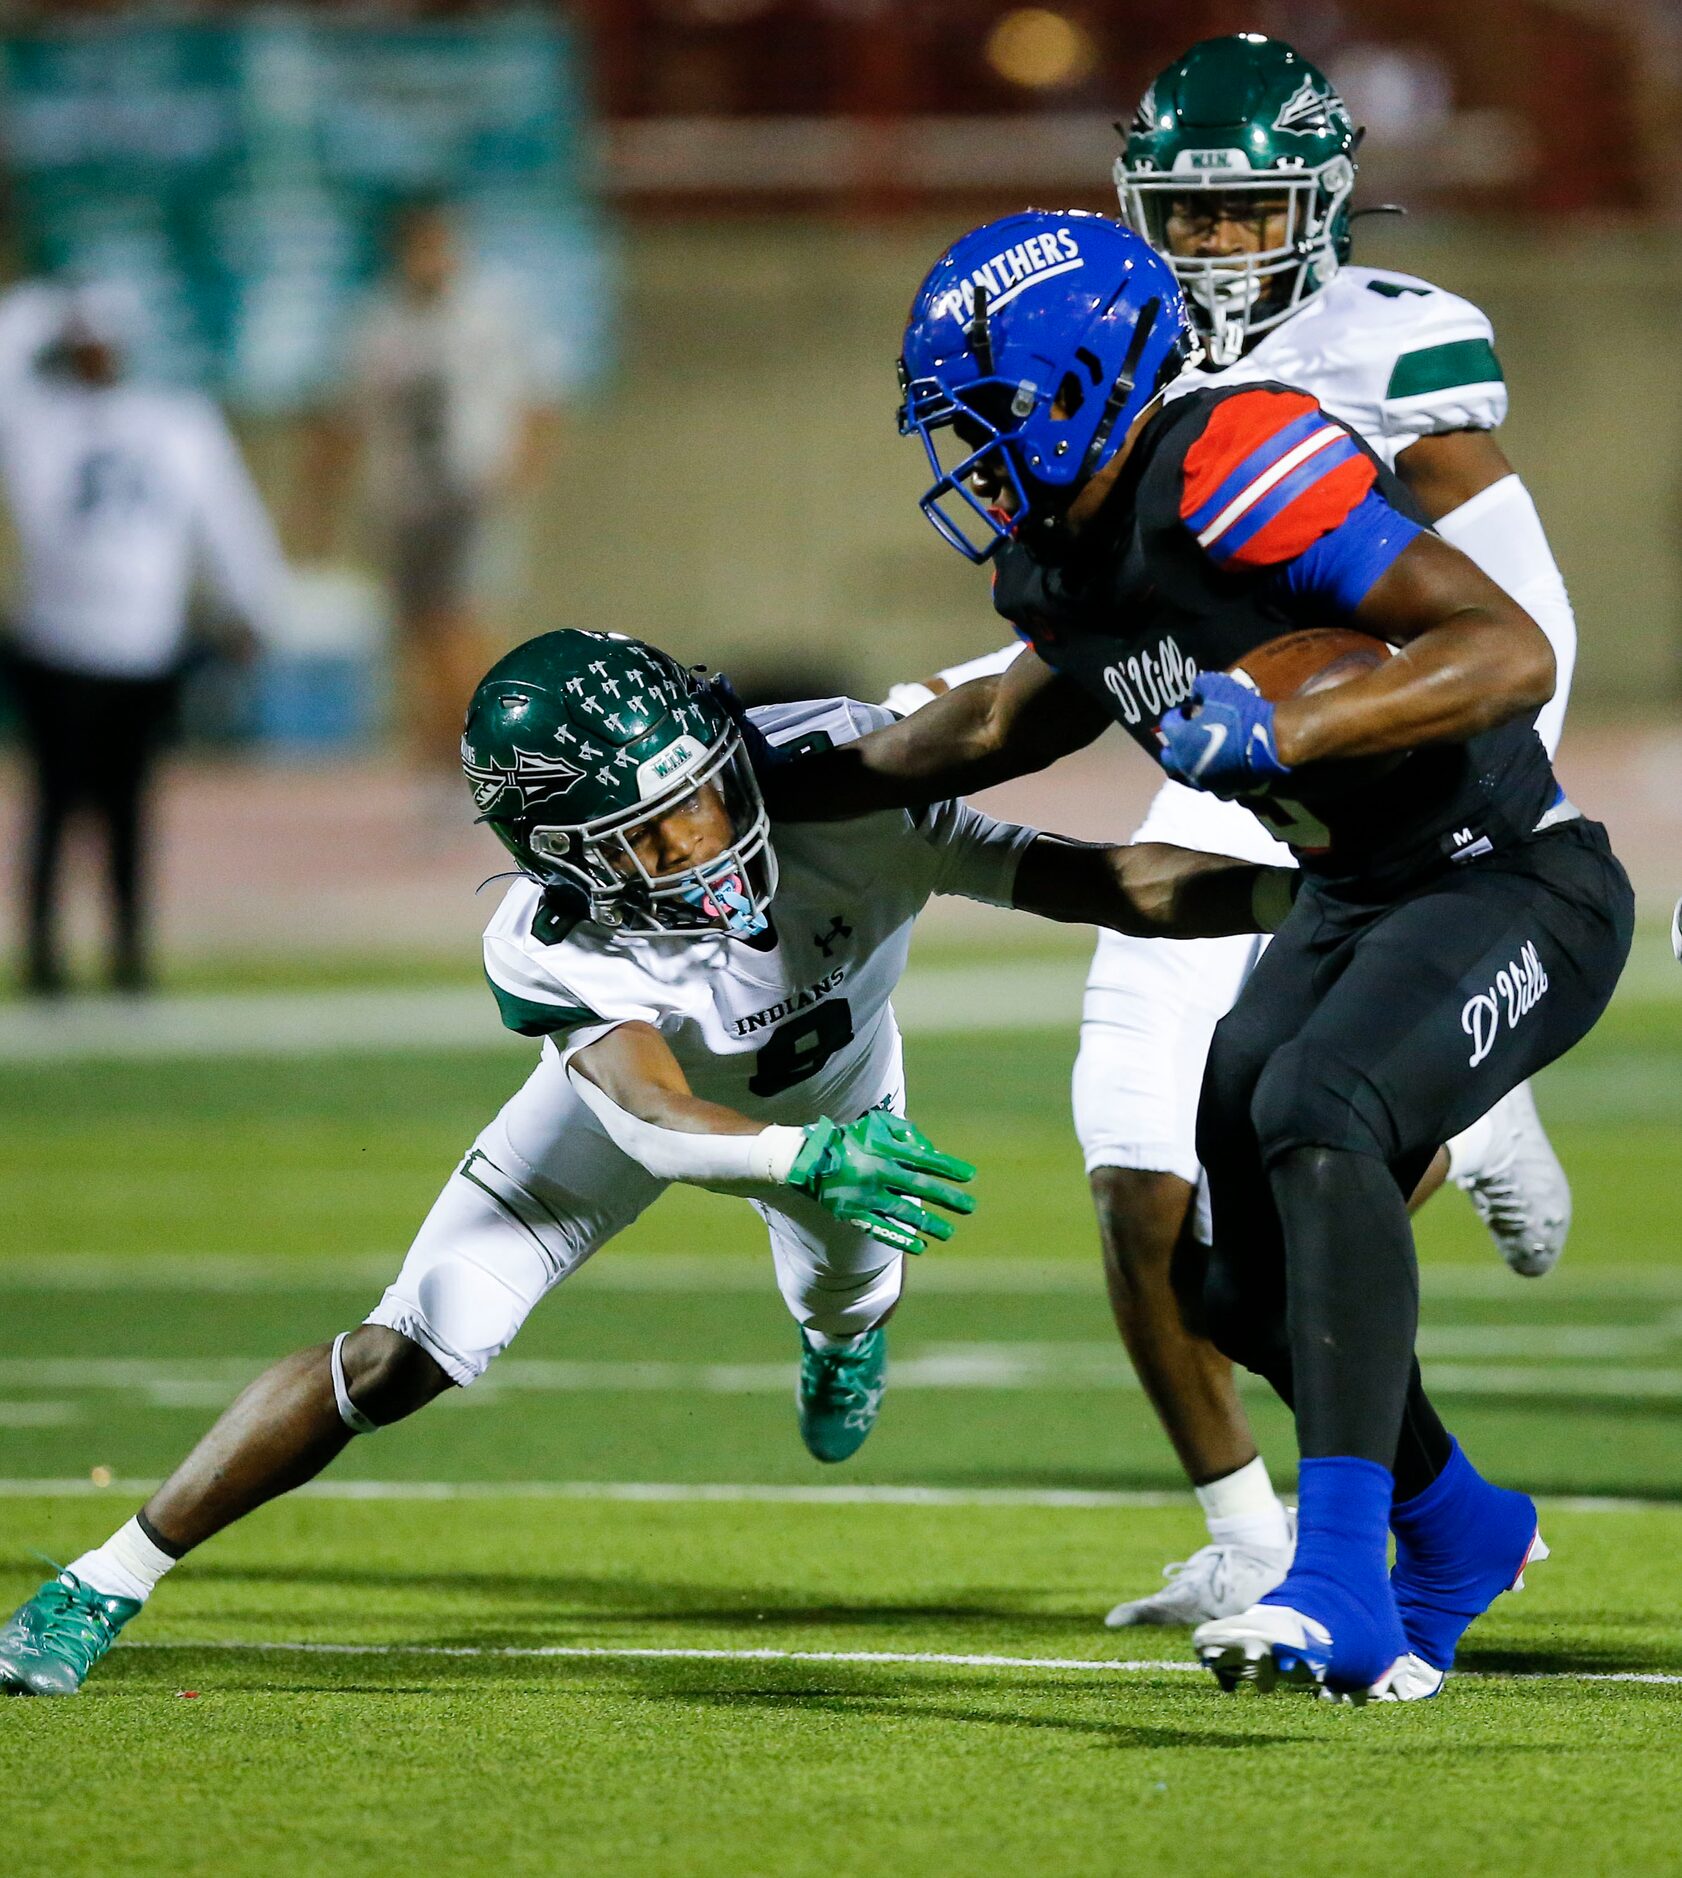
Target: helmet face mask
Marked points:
727	891
1235	298
1244	117
966	448
619	780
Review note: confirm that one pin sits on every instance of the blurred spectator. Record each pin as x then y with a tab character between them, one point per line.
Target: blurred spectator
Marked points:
118	494
451	414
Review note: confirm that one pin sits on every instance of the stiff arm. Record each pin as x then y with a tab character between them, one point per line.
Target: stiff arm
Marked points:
988	731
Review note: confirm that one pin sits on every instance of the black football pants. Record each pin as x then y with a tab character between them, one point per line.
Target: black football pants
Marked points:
91	743
1367	1036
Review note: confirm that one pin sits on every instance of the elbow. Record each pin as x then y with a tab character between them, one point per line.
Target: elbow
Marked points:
1512	675
1536	672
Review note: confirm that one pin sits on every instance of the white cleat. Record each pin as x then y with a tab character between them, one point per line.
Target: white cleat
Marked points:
1264	1647
1409	1679
1218	1581
1518	1187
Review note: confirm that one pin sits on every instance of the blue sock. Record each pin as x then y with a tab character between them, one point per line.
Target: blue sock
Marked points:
1339	1575
1459	1545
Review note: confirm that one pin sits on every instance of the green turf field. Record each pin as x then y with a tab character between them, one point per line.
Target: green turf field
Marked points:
602	1614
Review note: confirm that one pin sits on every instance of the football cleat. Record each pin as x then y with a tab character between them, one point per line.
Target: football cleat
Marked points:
1518	1187
839	1394
1410	1679
1216	1581
1269	1646
49	1644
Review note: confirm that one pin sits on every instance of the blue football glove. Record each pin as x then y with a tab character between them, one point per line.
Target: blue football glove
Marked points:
1221	738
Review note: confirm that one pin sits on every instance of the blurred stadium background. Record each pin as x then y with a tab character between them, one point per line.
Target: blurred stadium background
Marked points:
715	210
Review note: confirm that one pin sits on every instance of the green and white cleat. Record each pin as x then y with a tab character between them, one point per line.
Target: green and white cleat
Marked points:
840	1394
49	1644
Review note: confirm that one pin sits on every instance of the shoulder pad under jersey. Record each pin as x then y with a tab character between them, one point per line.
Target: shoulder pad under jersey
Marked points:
521	967
1267	475
1391	355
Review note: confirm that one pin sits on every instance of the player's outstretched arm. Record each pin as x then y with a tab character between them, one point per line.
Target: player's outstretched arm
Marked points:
976	735
879	1173
1152	889
1470	658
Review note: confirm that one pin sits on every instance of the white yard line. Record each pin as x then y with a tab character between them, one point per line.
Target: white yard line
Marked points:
1026	1367
1113	1666
1023	994
691	1273
998	995
728	1493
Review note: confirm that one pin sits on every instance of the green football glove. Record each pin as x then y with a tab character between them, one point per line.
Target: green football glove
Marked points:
874	1172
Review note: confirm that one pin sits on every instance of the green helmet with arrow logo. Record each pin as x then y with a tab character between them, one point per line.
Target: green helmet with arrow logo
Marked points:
578	743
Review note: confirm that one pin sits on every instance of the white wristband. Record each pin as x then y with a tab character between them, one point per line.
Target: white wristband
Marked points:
727	1161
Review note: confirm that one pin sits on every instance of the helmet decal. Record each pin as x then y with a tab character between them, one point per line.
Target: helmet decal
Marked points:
656	774
1307	110
1006	274
533	778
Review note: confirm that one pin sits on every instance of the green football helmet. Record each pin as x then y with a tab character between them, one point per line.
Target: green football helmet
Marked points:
1244	116
578	743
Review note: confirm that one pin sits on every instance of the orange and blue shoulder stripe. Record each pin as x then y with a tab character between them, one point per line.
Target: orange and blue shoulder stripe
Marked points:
1269	475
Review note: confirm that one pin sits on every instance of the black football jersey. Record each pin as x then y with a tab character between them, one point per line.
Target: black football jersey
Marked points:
1182	572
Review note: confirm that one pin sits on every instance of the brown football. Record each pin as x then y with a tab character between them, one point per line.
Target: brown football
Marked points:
1315	659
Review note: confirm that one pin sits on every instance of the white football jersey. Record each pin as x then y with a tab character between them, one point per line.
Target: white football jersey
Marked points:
1392	356
119	495
804	1027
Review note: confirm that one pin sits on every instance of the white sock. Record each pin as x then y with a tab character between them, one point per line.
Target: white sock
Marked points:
1243	1509
1469	1149
128	1565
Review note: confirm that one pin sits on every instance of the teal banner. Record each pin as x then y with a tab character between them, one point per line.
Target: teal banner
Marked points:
239	178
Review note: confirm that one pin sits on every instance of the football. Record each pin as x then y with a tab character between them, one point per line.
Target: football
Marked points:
1315	659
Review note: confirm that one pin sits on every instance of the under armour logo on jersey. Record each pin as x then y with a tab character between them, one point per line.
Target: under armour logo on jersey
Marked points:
838	929
1517	989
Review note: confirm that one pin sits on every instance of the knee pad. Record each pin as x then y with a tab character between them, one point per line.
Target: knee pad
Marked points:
1310	1097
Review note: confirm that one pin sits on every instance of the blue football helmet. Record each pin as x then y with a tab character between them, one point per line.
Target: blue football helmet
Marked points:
1035	341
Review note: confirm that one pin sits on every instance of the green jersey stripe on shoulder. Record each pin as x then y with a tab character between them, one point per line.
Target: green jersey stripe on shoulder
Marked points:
1442	368
530	1019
